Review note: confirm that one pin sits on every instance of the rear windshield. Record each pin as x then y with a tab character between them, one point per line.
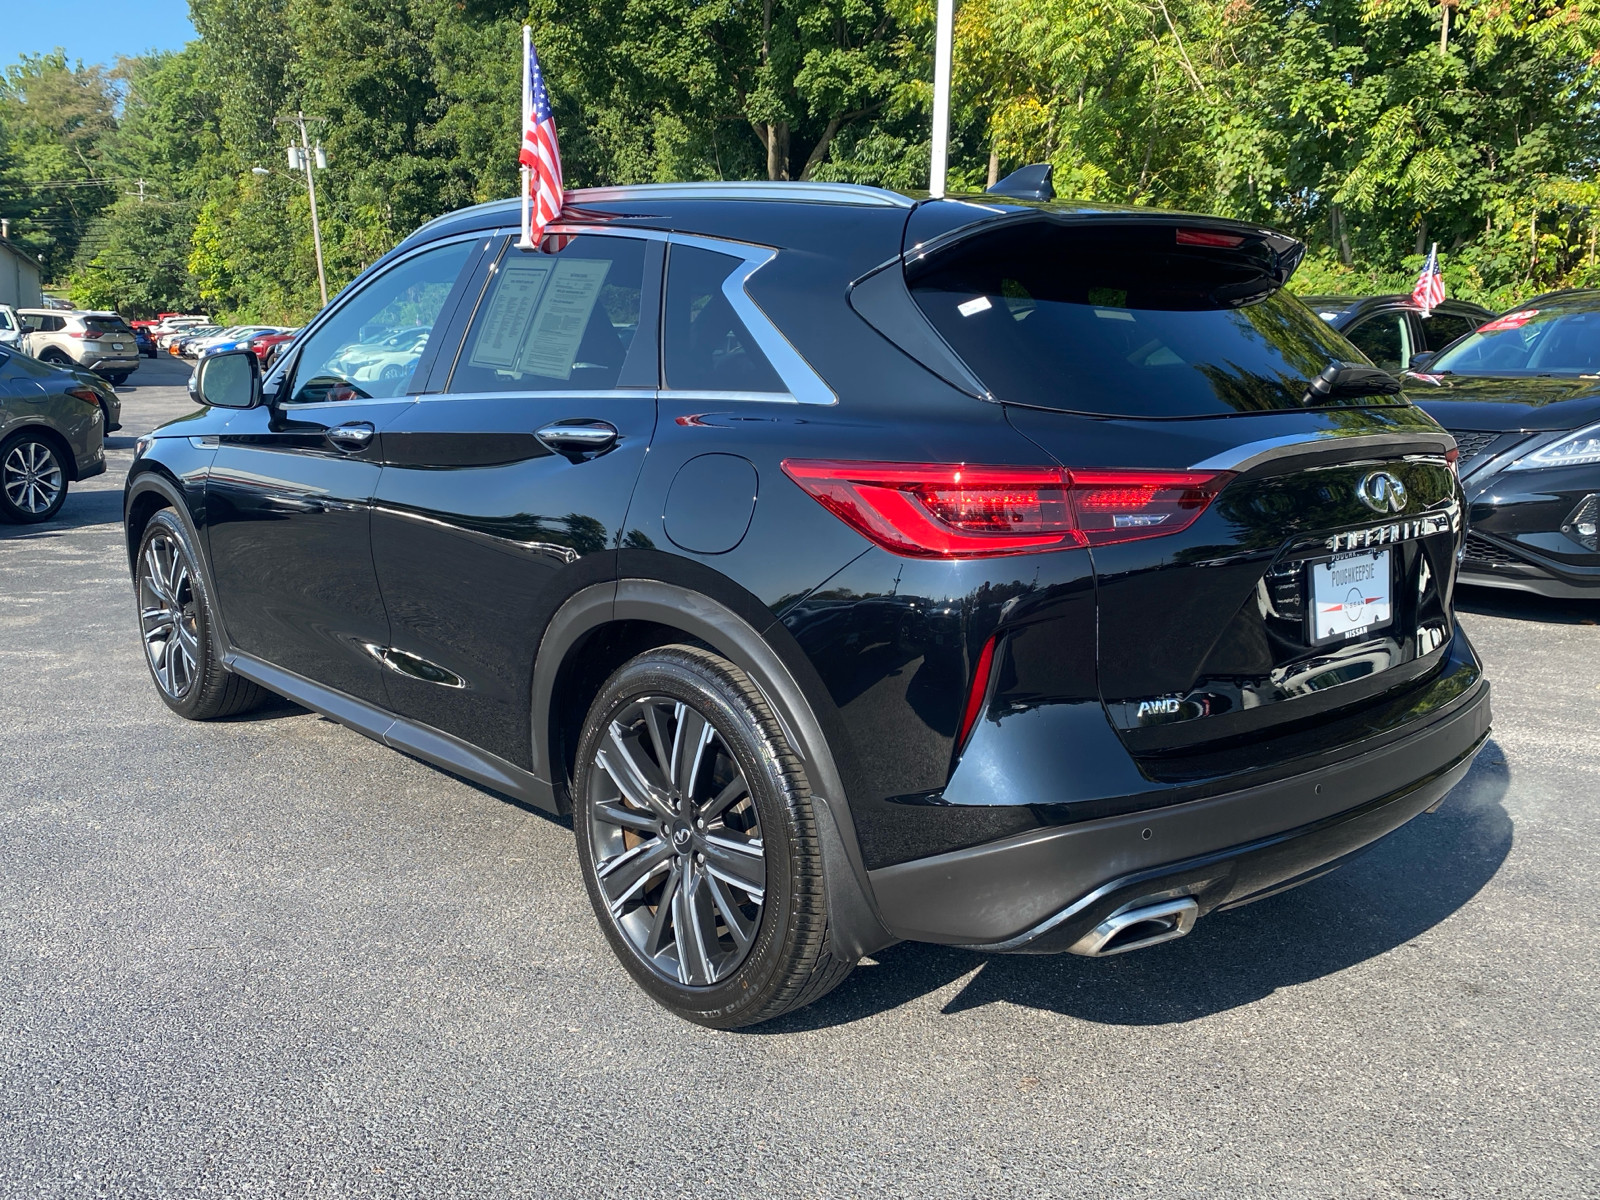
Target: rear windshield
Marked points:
107	326
1531	341
1127	321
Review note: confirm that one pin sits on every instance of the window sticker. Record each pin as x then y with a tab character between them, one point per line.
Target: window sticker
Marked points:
505	326
563	315
972	308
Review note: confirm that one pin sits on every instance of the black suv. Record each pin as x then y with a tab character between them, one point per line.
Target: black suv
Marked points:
1024	577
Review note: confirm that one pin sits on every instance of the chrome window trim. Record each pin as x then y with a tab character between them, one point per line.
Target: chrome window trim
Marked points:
1250	454
542	394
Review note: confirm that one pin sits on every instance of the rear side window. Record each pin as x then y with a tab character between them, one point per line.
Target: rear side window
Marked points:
707	347
1385	339
560	321
101	326
1125	321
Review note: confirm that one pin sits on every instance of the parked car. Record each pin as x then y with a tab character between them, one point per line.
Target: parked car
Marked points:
1522	397
1390	330
147	346
167	323
52	435
268	345
1029	578
175	342
165	340
387	358
97	341
10	328
238	339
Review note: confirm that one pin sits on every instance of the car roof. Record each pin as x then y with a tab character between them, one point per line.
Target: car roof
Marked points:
1352	306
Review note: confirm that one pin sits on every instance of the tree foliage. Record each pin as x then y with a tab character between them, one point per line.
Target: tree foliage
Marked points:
1351	123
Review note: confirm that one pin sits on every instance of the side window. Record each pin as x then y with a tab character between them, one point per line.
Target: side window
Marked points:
52	324
555	321
371	345
1443	328
5	320
1385	339
706	345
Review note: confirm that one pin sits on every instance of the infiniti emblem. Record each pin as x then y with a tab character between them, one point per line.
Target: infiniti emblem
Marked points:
1382	492
681	836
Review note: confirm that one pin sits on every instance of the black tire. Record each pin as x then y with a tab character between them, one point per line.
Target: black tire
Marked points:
783	960
33	478
118	379
182	647
56	358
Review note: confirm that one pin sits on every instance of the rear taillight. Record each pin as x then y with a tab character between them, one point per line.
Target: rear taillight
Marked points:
87	395
958	510
977	692
78	333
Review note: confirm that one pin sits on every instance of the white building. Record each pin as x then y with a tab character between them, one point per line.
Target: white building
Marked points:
19	276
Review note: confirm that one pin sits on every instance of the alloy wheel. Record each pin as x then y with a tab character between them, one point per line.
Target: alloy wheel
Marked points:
32	477
677	841
167	616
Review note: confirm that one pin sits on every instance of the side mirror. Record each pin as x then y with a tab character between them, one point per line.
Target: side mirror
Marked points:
231	380
1420	362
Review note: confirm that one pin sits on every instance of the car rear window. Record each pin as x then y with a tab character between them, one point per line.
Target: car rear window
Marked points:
1127	320
98	326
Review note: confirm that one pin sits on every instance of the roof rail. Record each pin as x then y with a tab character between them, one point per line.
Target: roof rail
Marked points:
751	189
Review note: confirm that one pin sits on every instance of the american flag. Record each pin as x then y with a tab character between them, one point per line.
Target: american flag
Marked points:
1429	292
540	154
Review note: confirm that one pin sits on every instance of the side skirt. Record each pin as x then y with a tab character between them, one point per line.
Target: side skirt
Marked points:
422	741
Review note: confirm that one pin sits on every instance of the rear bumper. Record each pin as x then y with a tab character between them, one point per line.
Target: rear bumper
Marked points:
1042	891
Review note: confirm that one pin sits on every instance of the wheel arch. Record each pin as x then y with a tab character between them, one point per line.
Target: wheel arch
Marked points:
149	492
605	624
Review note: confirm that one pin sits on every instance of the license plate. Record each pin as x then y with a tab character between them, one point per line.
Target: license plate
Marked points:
1350	595
116	345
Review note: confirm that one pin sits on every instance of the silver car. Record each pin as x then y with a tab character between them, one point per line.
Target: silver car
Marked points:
52	434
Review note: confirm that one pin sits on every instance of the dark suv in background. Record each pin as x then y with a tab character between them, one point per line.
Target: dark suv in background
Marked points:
1024	577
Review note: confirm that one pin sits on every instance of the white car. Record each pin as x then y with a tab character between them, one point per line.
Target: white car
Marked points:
393	357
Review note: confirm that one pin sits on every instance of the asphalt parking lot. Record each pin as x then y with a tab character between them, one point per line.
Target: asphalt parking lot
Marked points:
271	956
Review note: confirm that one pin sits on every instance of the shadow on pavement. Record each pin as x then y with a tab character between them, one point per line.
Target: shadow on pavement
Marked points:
82	509
1408	883
1523	606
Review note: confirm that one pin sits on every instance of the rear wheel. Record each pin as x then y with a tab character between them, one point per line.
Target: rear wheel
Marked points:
181	645
698	843
118	379
33	479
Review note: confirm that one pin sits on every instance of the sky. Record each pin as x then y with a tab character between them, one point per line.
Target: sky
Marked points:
94	30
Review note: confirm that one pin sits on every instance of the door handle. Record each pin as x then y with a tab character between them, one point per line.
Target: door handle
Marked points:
354	435
579	437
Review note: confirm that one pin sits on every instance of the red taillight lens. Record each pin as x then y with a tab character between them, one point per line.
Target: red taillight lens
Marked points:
956	510
87	395
1118	506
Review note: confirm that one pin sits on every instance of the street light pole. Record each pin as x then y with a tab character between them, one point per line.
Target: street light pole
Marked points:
309	165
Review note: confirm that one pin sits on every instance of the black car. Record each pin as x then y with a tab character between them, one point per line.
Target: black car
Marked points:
1391	330
1024	577
52	434
1522	397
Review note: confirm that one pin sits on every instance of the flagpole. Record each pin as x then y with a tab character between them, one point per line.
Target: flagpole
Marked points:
524	242
944	35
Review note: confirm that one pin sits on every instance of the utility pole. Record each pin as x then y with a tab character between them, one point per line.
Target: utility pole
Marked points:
139	193
304	157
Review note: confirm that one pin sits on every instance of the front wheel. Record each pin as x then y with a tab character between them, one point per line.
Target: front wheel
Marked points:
33	479
698	842
181	644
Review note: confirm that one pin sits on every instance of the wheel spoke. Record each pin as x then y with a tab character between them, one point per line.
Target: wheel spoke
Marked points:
688	912
663	917
613	813
740	926
658	739
688	744
740	863
724	798
618	760
623	876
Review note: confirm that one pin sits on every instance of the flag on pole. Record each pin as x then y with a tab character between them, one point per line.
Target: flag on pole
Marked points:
539	155
1429	292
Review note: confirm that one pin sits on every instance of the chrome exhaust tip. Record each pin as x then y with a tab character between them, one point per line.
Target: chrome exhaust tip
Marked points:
1138	926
